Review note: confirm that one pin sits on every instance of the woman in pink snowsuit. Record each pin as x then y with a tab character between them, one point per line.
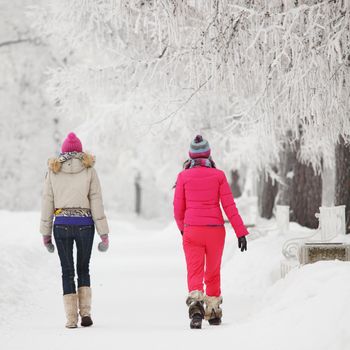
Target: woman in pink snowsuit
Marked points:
199	190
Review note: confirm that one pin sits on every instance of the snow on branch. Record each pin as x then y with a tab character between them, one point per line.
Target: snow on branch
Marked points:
286	62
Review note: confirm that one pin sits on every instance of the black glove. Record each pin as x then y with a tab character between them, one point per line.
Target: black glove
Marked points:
242	243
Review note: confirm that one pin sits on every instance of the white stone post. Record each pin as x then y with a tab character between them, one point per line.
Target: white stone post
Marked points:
332	222
282	218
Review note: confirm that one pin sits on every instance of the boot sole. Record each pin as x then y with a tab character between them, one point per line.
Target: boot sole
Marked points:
196	321
86	321
196	325
215	322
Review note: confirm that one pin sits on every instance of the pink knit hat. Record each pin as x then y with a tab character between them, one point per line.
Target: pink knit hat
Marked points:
72	144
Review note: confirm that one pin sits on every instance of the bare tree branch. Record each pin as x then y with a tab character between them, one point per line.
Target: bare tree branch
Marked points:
163	52
173	113
13	42
36	41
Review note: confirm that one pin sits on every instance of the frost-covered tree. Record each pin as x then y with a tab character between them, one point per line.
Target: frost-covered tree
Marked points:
257	72
26	119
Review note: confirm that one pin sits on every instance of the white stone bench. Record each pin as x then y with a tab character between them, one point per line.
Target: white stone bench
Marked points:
318	246
313	252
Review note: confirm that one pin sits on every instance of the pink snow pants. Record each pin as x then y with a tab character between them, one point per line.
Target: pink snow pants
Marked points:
203	246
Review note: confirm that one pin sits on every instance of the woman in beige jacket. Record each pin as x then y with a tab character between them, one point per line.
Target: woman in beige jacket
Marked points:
72	205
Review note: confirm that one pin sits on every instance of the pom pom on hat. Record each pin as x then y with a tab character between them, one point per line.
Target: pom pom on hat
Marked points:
71	136
198	139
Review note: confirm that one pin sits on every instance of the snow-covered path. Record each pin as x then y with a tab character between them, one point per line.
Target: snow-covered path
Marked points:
139	291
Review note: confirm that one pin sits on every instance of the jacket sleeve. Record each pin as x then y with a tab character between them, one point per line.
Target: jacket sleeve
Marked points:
231	211
96	204
47	207
179	203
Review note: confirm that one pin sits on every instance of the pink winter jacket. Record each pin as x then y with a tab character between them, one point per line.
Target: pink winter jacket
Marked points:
197	199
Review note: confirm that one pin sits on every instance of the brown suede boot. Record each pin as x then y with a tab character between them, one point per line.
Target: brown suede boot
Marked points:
85	306
70	302
213	312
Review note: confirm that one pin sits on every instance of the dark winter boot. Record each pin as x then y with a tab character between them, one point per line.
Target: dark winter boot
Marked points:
84	294
213	312
195	308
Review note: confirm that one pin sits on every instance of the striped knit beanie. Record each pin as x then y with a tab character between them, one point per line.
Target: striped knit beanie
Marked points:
199	148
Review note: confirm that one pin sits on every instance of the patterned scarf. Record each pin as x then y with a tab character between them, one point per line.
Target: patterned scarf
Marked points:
199	162
63	157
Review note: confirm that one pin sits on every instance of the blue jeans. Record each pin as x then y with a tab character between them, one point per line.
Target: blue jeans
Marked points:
83	236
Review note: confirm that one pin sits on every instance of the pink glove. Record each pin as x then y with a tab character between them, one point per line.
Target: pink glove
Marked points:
48	244
104	244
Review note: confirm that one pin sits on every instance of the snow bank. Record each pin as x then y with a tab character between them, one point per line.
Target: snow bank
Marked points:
139	293
308	309
25	268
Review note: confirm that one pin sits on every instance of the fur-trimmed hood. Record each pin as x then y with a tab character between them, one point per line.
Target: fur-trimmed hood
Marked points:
72	162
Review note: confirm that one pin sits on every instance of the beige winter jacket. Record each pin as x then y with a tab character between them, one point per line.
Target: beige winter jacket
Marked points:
72	184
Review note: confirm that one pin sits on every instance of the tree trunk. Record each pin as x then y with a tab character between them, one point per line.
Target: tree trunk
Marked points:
138	193
342	182
56	135
267	191
306	195
235	187
286	172
301	188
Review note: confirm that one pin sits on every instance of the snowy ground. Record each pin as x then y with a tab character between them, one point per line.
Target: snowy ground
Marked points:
139	294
